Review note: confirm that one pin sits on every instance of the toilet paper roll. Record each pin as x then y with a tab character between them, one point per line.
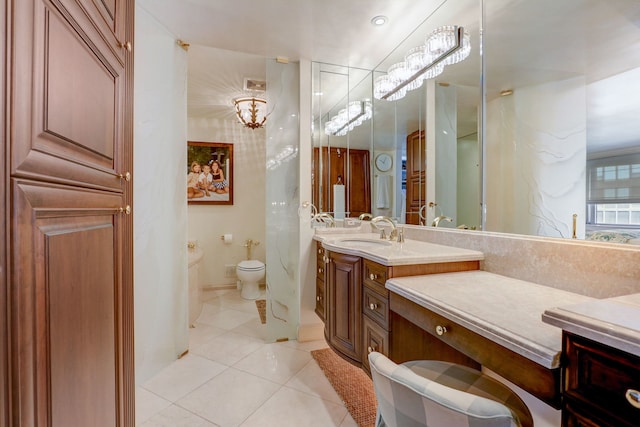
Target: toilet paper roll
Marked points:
228	238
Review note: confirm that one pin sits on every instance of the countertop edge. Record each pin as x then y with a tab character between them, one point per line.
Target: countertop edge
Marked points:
458	317
327	243
598	331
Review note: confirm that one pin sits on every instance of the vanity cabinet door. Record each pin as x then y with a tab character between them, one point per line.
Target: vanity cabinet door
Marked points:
320	293
320	299
597	381
376	338
343	322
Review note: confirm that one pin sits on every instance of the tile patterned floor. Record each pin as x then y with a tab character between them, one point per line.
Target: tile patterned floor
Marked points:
232	377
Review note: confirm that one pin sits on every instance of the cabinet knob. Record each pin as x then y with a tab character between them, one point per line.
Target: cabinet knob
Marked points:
318	298
373	306
126	45
126	176
320	270
633	397
126	210
441	330
371	349
326	259
373	276
320	250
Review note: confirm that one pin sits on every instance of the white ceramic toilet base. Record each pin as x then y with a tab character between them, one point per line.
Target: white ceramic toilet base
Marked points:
250	291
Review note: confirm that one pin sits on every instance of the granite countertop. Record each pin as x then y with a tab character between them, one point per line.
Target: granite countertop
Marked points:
390	253
505	310
612	321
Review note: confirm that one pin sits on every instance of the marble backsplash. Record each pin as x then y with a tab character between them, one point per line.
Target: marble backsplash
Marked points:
599	270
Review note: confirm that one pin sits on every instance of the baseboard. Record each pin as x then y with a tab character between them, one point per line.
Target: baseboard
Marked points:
218	287
311	332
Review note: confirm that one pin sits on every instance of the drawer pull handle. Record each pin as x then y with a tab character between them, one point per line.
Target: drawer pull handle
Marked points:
633	397
373	276
371	349
373	306
441	330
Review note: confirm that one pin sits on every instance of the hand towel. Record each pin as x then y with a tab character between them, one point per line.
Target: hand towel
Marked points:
383	199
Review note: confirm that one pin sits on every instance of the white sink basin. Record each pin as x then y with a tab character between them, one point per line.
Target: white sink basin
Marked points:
362	243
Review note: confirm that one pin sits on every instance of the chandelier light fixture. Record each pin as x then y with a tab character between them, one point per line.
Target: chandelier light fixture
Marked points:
251	111
446	45
355	113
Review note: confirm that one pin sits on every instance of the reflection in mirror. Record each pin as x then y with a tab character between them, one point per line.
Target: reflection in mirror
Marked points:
341	152
433	130
562	129
553	133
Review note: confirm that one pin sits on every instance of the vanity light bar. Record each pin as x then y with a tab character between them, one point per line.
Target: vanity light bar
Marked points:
343	122
459	34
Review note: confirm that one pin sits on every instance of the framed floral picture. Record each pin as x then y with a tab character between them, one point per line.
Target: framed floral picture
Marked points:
209	173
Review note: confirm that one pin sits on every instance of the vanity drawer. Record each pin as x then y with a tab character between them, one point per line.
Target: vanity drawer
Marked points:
375	276
320	299
320	264
375	339
375	306
598	378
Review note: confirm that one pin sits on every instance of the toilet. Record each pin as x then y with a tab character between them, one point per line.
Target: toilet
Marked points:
250	272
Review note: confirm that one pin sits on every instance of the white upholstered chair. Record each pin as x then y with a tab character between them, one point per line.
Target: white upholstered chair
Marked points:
431	393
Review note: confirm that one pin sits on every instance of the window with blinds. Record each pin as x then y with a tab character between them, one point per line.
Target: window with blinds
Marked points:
613	190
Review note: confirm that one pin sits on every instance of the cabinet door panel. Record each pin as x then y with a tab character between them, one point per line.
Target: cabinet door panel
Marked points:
344	310
68	102
416	176
66	319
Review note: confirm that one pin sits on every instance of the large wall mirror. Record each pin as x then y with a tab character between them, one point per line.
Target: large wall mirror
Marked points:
539	135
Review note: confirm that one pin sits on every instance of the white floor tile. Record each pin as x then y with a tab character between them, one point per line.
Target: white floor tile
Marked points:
348	421
225	319
148	404
292	408
311	380
229	347
274	362
202	333
307	345
183	376
229	398
252	328
174	416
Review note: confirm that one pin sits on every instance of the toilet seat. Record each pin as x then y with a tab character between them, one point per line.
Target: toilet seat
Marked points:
250	265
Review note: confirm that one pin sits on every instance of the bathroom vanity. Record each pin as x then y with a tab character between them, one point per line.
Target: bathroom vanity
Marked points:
351	296
419	300
601	348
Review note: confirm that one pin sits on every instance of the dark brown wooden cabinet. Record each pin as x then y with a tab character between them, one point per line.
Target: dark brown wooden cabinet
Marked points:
597	380
320	281
416	176
68	343
352	168
343	290
358	317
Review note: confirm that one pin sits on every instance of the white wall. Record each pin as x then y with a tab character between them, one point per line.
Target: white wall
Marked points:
245	219
536	139
159	208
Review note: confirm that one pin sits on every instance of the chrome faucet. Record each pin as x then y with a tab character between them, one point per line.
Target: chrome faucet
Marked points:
325	217
437	220
374	227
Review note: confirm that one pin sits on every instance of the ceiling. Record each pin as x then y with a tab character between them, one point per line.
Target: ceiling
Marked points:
230	40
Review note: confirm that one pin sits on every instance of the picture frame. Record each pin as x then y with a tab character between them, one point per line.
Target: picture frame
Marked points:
209	173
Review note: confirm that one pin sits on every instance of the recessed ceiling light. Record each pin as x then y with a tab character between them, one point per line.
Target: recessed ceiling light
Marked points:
379	20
